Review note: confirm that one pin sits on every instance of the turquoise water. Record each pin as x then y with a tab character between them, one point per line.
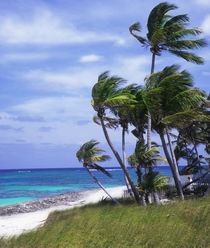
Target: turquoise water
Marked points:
8	201
24	185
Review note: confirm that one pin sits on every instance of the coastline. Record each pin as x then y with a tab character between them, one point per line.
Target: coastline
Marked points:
18	218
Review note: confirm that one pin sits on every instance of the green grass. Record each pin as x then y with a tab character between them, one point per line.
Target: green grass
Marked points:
181	224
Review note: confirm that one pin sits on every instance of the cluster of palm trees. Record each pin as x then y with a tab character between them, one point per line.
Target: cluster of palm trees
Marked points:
166	102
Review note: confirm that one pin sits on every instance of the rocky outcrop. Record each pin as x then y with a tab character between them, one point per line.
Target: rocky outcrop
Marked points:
39	204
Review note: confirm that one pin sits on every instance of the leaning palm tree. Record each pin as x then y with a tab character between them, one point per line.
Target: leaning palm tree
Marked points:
168	33
106	94
171	100
89	154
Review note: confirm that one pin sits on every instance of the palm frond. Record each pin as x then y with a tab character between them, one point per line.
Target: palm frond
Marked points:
101	158
137	27
184	32
186	44
161	159
99	168
158	36
96	120
88	150
132	160
154	79
191	57
176	19
109	121
156	17
181	119
103	76
188	99
118	100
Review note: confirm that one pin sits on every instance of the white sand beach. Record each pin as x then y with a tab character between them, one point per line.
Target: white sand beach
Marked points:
16	224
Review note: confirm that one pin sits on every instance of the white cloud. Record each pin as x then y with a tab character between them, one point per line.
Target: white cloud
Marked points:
206	73
203	2
206	25
46	27
90	58
56	108
62	81
134	69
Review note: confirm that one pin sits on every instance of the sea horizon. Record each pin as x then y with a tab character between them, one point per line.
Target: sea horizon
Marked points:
63	168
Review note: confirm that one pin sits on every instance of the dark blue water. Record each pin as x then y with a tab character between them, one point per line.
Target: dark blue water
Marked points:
25	185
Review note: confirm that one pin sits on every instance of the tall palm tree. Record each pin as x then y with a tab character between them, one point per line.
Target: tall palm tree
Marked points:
89	154
168	96
168	33
122	113
106	94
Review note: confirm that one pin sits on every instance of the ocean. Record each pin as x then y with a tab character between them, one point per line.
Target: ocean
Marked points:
28	184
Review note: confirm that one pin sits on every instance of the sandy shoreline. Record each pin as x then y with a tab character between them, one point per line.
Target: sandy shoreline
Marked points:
18	218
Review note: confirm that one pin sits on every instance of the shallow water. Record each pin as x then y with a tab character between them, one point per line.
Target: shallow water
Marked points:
25	185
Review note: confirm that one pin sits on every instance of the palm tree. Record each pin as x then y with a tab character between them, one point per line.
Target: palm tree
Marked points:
143	158
168	33
171	100
122	113
154	182
106	94
89	154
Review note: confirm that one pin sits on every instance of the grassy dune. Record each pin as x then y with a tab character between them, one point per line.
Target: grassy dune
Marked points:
181	224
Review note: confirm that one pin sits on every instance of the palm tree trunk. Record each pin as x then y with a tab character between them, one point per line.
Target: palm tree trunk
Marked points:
149	121
144	203
172	150
101	186
124	161
139	175
153	63
196	151
175	173
188	159
135	192
175	162
156	198
149	198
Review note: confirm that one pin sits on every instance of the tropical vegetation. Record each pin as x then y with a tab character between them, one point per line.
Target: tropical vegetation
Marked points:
167	103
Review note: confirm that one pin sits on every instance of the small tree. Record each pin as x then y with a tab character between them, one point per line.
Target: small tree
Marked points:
145	159
154	182
89	154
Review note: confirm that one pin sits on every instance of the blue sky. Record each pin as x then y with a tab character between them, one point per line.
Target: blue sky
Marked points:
52	52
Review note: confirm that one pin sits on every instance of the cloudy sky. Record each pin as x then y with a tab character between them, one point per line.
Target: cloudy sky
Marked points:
52	52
